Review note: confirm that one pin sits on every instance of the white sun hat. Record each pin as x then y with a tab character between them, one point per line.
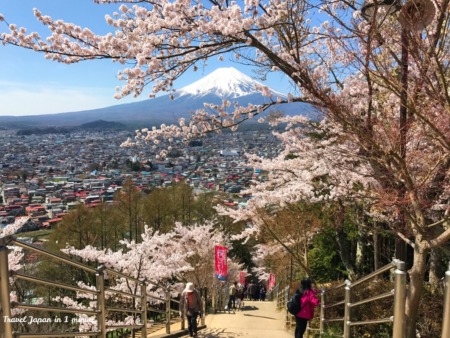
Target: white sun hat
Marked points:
189	287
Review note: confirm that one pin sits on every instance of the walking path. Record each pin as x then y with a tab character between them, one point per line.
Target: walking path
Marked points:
256	320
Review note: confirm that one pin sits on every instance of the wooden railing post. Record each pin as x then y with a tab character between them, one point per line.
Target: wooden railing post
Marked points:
205	298
168	311
347	310
285	300
213	299
183	322
446	315
144	309
5	311
182	315
203	314
280	298
101	316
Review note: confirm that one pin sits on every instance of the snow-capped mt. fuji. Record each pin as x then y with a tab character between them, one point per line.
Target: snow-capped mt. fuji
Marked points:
224	82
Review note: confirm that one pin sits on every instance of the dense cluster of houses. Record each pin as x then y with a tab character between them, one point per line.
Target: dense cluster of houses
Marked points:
43	176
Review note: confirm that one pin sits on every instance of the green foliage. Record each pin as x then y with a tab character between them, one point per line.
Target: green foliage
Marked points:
107	224
429	322
161	208
332	332
323	257
242	252
203	208
74	230
369	331
350	227
290	156
365	331
127	201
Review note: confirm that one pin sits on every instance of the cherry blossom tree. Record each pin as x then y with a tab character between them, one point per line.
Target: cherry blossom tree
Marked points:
309	169
182	254
199	245
391	112
165	259
16	255
262	254
15	258
12	228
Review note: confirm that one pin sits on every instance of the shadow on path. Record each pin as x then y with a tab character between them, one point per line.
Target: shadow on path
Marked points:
245	314
249	308
218	333
256	320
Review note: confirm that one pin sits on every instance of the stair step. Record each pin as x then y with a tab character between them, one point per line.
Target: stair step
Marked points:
156	326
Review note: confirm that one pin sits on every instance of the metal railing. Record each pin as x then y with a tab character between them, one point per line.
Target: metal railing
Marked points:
398	293
272	293
110	304
446	314
289	318
281	296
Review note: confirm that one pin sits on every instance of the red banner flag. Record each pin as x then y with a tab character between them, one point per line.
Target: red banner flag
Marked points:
242	275
271	281
221	265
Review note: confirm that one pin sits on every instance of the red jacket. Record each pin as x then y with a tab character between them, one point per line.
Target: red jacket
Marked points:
308	302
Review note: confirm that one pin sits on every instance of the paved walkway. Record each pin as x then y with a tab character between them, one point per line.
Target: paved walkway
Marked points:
256	320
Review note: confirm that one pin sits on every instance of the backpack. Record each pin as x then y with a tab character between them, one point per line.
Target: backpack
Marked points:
293	305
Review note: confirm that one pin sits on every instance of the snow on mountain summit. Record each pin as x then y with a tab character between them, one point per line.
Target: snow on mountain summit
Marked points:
225	83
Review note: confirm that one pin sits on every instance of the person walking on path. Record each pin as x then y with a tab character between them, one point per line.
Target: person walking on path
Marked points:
191	305
262	293
240	297
308	302
232	294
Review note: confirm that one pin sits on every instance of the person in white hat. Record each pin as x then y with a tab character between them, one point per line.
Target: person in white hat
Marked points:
191	305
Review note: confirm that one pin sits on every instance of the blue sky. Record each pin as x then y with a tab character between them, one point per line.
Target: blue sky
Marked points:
30	84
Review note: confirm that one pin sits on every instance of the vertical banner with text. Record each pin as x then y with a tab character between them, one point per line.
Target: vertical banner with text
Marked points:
221	265
271	281
242	275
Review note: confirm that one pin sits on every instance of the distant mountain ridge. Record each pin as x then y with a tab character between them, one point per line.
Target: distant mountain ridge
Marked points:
100	124
95	125
223	83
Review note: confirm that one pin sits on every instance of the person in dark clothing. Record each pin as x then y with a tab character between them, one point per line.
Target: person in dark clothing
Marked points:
245	291
250	291
256	292
232	296
262	293
240	298
308	302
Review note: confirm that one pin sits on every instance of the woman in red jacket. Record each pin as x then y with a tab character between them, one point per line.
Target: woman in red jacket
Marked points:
308	302
191	305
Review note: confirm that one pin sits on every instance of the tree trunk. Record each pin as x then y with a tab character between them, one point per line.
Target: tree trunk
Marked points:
345	254
376	263
360	245
415	290
433	274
